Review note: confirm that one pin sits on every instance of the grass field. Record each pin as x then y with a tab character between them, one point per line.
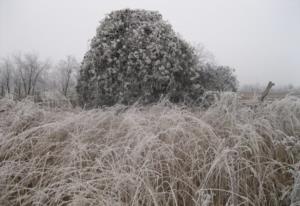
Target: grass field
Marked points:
163	154
272	96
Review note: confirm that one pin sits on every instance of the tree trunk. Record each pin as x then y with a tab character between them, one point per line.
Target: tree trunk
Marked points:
2	93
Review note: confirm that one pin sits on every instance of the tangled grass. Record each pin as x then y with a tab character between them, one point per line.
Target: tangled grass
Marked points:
156	155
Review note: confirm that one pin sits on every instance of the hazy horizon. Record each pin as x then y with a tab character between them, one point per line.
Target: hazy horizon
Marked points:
260	39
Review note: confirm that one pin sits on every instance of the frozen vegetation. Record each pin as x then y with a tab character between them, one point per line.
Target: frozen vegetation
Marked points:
136	55
161	130
160	154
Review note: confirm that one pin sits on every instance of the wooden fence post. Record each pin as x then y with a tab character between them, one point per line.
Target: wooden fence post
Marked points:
266	92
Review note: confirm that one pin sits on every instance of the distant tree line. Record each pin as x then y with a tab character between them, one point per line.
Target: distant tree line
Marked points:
28	75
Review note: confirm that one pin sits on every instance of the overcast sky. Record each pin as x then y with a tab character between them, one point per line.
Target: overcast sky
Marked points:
259	38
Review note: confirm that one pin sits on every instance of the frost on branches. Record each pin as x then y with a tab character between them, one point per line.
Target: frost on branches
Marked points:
136	56
218	78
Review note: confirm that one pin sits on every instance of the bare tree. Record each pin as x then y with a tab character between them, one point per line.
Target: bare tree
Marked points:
29	71
6	68
2	84
204	55
17	86
67	71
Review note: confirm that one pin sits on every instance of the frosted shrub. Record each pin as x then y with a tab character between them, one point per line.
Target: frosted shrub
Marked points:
136	55
218	78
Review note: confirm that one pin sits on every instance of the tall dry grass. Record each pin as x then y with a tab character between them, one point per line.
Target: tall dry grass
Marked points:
156	155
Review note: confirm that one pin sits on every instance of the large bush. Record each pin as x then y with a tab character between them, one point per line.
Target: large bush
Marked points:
136	55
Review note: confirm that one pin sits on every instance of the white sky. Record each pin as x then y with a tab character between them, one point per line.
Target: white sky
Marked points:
259	38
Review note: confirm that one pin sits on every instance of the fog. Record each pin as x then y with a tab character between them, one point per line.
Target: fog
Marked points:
260	39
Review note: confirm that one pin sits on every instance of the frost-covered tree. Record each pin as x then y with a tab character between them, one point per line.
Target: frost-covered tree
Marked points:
6	76
136	55
2	83
29	74
218	78
67	71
